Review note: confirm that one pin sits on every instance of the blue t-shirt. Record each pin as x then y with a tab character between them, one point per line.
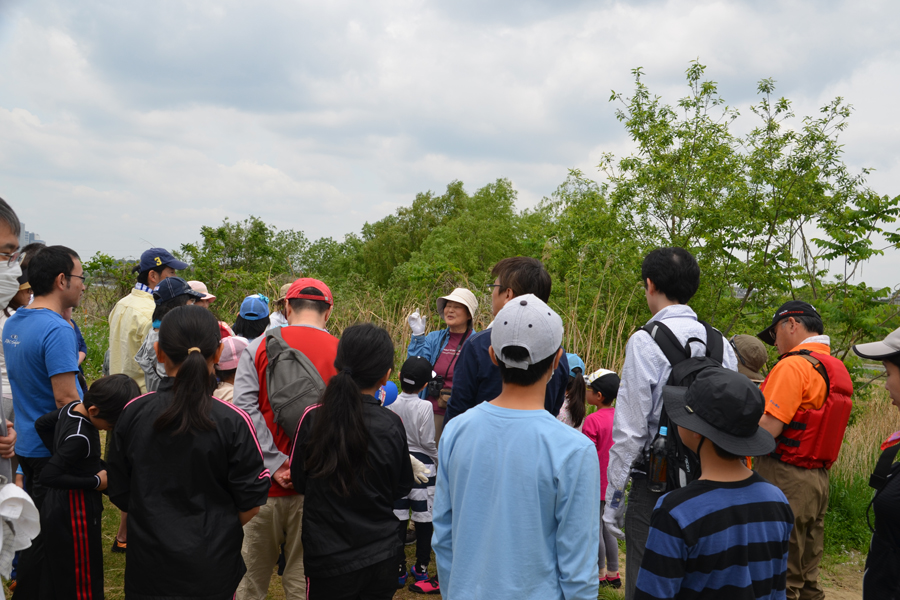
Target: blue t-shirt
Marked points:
516	507
37	344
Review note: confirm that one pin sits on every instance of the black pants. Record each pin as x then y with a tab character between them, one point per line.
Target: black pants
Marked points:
33	579
423	544
70	524
375	582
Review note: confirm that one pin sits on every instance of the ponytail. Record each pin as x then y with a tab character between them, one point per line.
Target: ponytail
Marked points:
575	397
189	336
338	444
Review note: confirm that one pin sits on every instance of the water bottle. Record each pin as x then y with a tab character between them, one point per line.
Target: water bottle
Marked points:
658	462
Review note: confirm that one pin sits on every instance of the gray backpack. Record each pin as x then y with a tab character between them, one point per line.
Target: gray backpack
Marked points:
293	383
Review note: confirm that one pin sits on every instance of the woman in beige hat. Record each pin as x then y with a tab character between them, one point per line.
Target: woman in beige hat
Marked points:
442	347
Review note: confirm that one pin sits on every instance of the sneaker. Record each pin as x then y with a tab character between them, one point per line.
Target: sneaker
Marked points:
402	580
419	573
429	586
613	582
118	547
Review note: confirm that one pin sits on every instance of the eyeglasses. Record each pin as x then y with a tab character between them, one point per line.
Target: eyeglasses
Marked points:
83	279
12	259
491	286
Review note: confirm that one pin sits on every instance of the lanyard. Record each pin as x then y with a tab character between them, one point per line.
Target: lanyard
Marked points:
456	352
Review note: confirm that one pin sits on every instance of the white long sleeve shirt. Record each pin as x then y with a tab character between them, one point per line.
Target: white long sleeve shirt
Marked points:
418	420
639	403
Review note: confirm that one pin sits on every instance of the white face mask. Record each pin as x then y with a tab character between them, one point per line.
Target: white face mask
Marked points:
9	282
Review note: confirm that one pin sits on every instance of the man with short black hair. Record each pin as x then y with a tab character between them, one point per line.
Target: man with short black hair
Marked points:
308	306
515	509
42	357
807	409
477	379
671	277
130	319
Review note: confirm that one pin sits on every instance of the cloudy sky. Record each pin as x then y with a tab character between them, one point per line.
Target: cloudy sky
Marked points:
124	124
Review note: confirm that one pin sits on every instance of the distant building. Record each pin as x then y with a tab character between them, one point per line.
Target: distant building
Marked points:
28	237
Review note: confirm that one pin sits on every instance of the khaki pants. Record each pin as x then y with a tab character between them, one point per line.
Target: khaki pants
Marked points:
807	492
278	522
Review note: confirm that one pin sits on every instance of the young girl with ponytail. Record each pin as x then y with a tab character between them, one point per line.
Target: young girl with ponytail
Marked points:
188	470
351	460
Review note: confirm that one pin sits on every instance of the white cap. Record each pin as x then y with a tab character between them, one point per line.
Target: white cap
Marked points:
528	322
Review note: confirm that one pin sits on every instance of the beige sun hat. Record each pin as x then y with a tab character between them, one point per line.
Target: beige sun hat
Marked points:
282	293
461	295
751	355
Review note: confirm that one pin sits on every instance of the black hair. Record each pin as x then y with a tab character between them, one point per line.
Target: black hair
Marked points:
724	454
575	395
608	385
164	308
409	388
524	275
144	276
47	265
250	329
894	359
110	394
8	215
336	450
30	251
320	306
523	377
674	272
185	330
811	324
223	375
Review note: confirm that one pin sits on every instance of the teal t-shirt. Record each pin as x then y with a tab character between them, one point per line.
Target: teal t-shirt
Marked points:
37	344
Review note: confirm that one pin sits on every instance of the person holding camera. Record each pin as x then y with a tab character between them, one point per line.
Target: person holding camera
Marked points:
442	347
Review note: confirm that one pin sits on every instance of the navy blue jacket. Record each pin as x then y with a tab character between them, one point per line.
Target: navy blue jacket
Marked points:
476	379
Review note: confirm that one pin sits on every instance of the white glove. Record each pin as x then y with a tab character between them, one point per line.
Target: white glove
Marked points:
614	517
416	323
420	471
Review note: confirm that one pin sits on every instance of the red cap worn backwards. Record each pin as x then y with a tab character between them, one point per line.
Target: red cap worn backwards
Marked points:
307	282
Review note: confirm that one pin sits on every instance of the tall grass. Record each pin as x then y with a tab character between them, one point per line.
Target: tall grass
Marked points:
849	494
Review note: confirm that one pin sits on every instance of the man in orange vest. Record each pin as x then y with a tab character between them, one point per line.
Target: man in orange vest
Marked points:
807	408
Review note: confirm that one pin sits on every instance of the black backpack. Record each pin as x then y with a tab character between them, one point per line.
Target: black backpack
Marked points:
683	465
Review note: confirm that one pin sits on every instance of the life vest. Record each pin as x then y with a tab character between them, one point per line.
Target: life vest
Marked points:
813	438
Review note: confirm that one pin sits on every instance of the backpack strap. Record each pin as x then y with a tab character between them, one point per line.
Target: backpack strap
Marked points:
667	342
883	467
715	343
816	364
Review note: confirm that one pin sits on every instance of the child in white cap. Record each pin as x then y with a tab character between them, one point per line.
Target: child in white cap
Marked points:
515	511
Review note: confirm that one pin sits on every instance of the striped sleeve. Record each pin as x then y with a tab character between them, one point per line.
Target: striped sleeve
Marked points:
665	558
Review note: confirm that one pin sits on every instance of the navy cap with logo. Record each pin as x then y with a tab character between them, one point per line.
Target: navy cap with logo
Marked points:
724	407
791	308
159	257
171	287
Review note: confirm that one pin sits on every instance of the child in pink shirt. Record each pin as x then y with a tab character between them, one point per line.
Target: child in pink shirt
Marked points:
603	387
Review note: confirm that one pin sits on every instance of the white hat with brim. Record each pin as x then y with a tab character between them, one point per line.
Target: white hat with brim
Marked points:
461	295
889	346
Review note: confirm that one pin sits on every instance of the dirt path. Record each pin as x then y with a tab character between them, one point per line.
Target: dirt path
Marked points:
842	577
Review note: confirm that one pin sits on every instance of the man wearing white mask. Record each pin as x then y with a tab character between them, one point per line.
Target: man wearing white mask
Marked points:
9	287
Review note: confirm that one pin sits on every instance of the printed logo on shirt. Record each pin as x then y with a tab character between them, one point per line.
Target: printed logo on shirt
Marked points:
12	340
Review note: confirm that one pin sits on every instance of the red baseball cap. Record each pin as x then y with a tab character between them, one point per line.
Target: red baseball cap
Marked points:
308	282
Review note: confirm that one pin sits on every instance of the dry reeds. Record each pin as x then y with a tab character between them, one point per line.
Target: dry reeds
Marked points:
876	419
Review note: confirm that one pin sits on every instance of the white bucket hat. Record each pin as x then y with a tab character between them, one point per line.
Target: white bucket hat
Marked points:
461	295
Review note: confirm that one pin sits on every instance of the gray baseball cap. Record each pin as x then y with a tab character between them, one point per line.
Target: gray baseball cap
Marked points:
528	322
889	346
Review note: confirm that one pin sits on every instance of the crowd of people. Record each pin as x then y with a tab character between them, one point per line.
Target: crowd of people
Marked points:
238	450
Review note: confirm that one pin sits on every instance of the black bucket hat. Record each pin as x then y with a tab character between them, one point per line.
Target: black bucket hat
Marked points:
724	407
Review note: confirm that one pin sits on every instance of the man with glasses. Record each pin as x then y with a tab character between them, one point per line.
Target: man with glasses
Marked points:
807	409
476	378
130	320
42	359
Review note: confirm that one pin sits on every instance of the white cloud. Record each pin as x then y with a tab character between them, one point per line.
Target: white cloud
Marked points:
122	123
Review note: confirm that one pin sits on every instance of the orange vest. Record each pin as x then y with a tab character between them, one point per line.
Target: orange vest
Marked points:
812	440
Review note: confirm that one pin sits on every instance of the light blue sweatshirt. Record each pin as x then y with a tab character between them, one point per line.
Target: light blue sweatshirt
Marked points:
516	508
